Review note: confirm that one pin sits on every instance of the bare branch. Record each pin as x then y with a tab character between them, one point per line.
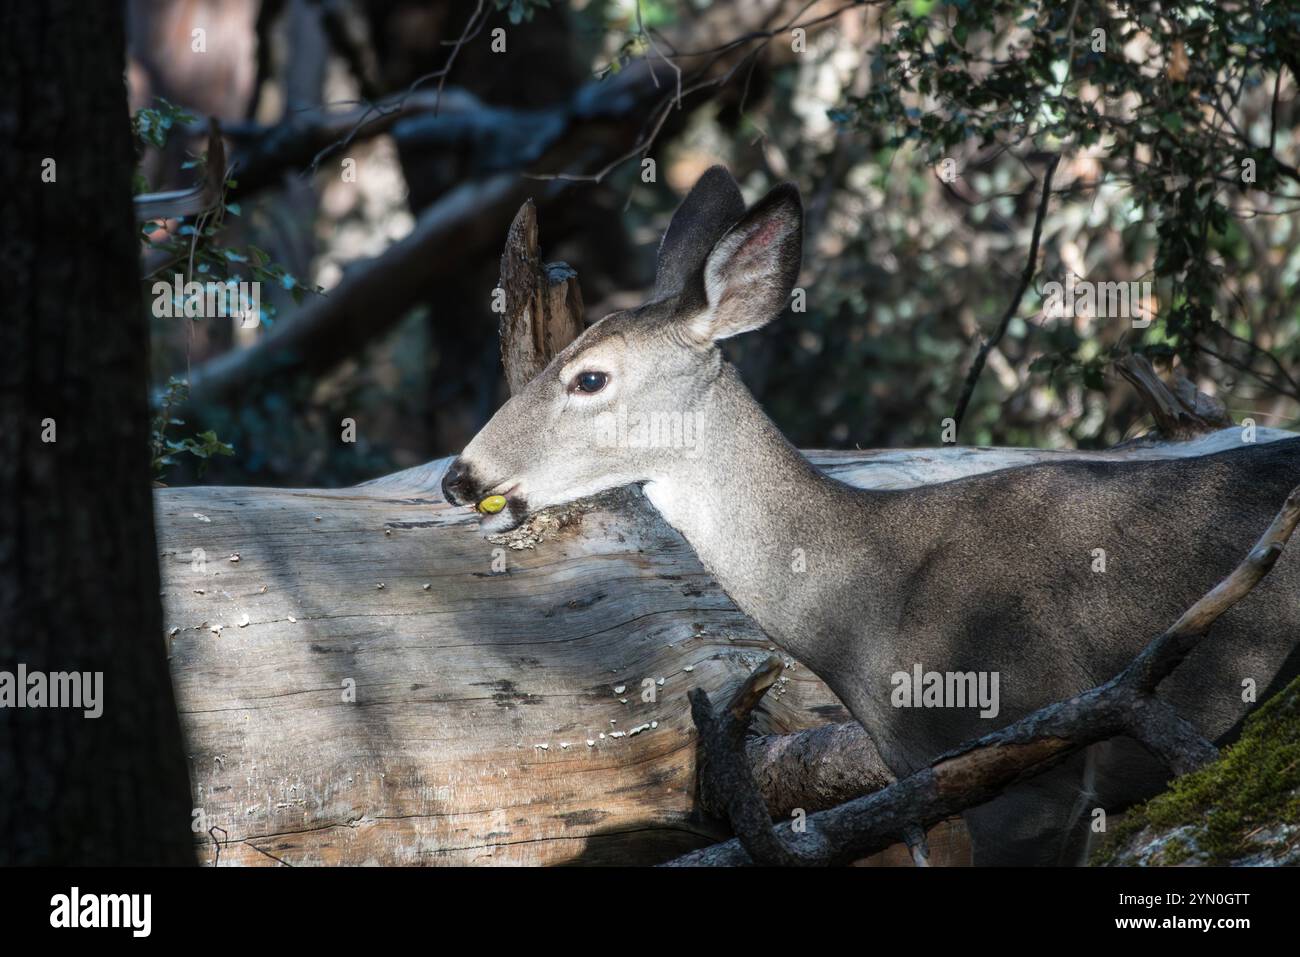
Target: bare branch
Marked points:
306	139
1026	277
704	81
377	113
655	49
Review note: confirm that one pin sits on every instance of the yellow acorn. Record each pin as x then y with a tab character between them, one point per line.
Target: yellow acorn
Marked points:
492	504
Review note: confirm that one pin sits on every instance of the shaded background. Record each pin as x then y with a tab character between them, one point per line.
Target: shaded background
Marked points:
903	271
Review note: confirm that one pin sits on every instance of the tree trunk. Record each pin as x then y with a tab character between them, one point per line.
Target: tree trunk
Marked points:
78	576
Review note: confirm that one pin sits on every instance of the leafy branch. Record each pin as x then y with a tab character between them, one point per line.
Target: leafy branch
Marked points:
202	446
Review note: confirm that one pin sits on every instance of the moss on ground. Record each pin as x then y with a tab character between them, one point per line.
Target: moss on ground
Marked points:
1219	810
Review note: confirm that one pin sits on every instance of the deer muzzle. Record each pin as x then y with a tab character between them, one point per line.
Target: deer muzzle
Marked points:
458	485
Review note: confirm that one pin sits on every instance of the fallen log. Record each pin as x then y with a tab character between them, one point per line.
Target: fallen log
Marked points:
362	678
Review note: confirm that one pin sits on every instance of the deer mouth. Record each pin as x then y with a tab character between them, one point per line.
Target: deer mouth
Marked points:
495	517
499	505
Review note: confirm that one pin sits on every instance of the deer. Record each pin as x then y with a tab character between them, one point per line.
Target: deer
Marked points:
993	574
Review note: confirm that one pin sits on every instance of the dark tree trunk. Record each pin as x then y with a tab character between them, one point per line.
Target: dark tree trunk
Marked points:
78	567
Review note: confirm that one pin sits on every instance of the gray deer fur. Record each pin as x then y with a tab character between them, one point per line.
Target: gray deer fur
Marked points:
991	573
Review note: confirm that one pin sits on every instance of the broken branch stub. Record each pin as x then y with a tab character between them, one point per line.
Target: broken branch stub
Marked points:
725	776
1181	412
543	304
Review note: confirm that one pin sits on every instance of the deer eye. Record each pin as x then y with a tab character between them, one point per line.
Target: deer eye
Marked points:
590	382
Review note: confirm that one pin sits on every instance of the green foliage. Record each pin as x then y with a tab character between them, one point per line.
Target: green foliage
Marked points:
1152	91
203	445
1254	785
151	125
195	249
636	43
196	246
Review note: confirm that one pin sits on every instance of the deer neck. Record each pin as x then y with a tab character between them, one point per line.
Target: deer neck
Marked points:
780	537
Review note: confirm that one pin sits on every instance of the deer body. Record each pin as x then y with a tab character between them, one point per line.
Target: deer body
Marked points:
996	574
993	574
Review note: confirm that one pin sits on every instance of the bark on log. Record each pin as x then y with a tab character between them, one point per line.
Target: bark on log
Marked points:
814	769
338	711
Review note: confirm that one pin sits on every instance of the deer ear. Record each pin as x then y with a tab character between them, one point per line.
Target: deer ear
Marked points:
712	205
749	273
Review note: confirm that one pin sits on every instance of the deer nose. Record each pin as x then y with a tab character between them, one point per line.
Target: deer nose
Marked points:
456	484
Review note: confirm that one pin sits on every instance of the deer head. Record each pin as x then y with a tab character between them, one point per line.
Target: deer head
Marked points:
630	398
